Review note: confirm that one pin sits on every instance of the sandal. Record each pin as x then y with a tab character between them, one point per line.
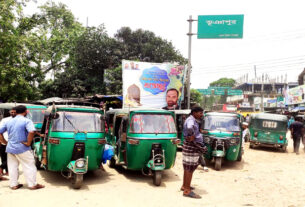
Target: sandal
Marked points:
17	187
182	188
36	187
192	195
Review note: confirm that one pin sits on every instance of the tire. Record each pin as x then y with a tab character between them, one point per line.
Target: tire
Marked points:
251	146
218	161
284	148
240	157
111	163
157	177
77	181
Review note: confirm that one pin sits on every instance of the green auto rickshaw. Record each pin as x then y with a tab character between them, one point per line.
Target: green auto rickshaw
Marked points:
223	137
181	116
35	112
268	130
143	139
73	141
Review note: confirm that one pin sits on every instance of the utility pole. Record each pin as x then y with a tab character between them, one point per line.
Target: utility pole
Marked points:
189	65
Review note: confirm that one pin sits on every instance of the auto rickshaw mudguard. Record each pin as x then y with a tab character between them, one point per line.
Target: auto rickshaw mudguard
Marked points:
72	166
151	165
218	153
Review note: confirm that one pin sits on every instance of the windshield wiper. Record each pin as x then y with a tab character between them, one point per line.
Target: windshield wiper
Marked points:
70	122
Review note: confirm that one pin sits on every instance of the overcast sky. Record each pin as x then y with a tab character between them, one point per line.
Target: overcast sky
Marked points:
274	33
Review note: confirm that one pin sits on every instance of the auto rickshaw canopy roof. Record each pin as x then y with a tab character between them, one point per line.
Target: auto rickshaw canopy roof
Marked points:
74	108
28	106
222	114
268	116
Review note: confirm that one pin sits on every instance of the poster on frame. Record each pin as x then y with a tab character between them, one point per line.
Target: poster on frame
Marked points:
152	85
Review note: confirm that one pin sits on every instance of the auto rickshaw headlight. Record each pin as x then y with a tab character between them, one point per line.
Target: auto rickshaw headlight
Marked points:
255	134
207	140
176	141
233	141
80	163
281	137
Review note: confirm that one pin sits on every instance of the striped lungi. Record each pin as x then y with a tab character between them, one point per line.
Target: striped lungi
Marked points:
190	156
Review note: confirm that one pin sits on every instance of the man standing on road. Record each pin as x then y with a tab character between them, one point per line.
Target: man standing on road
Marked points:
192	149
21	132
3	155
297	133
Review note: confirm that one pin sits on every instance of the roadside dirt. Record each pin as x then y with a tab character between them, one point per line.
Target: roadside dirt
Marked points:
265	177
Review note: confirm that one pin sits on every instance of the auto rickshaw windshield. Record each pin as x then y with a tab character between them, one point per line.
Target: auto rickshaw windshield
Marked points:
78	121
221	123
36	115
152	123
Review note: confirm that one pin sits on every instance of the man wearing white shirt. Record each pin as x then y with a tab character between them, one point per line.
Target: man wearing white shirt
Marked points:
3	154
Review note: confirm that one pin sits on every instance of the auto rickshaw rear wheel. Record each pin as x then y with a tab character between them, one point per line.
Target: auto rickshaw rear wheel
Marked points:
218	161
284	148
251	146
77	180
240	157
157	177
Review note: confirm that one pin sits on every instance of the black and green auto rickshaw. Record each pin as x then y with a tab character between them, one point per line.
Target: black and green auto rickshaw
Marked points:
268	130
223	137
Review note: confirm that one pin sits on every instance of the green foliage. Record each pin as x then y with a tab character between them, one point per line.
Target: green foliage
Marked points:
83	61
146	46
19	74
223	82
196	97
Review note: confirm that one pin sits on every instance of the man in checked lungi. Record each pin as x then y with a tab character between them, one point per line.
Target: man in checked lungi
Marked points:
193	147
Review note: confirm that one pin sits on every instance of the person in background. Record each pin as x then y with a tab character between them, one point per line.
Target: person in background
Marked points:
3	155
290	121
21	132
297	133
248	118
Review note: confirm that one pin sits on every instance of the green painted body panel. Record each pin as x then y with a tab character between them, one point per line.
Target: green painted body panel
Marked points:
38	126
69	135
59	156
139	155
268	136
36	107
218	153
231	153
87	110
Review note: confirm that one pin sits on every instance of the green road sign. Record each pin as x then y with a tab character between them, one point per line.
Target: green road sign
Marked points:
220	26
235	92
204	91
219	91
218	88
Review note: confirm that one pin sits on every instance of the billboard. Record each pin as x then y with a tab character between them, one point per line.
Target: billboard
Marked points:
295	95
152	85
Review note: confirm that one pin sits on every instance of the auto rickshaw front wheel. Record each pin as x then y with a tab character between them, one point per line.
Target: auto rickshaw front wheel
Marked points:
218	161
284	148
37	163
111	163
157	177
77	180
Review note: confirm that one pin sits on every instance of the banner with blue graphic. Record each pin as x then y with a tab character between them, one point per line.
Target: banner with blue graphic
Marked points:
153	85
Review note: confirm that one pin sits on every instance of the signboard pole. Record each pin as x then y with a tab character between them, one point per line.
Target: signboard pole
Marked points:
189	65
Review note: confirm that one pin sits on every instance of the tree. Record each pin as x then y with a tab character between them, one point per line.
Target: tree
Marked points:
144	45
196	97
223	82
19	74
